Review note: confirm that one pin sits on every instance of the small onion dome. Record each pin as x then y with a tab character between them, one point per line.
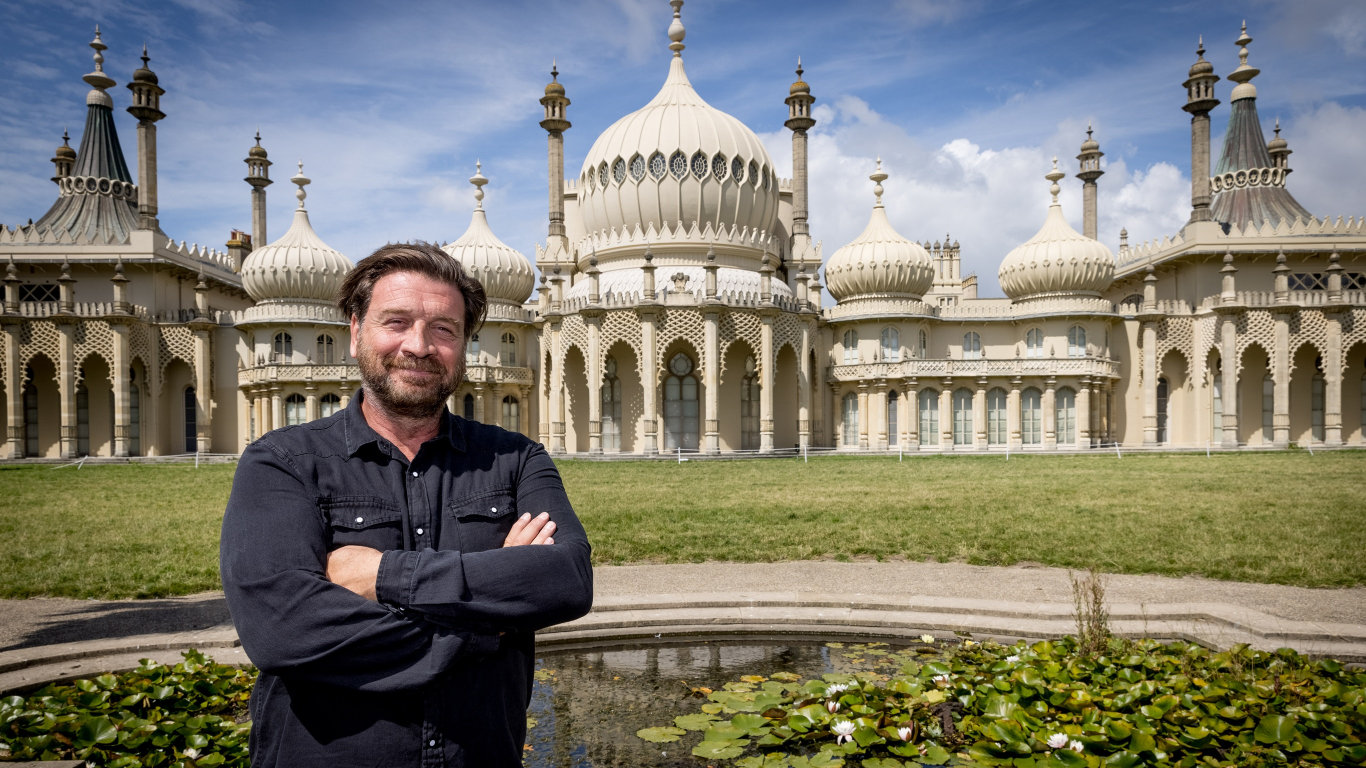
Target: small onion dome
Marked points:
1058	259
298	266
258	150
1201	67
800	85
143	74
65	152
1277	144
553	88
504	272
879	262
1090	144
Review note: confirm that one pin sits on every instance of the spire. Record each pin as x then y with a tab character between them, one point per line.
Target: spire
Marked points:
258	176
877	177
146	107
676	30
1244	73
98	80
1090	172
478	180
301	181
1054	176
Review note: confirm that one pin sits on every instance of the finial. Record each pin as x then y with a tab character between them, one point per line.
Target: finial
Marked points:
1278	127
1200	48
478	181
303	181
100	48
1053	176
258	137
676	31
799	68
554	71
98	79
1242	41
1088	129
877	177
66	138
145	58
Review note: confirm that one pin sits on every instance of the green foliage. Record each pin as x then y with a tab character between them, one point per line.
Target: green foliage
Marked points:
155	716
1045	705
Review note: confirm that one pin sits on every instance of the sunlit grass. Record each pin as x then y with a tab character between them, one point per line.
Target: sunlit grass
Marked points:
1286	517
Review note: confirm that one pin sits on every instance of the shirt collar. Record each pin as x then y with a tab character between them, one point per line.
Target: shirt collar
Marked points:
359	433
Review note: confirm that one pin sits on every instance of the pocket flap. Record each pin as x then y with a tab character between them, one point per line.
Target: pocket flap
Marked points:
493	505
357	512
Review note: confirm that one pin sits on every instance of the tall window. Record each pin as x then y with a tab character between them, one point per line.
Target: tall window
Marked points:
972	346
892	426
30	416
191	425
749	408
507	350
328	404
467	405
1268	408
1034	342
1076	341
962	417
512	414
891	345
929	417
849	408
1162	399
1216	421
327	350
611	407
1031	417
1316	407
996	416
134	414
82	420
924	344
1065	408
850	347
680	405
284	347
296	409
472	350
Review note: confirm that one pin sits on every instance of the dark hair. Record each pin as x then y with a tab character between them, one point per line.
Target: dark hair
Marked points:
423	258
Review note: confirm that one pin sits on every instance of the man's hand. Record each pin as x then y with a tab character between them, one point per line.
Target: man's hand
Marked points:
355	568
531	530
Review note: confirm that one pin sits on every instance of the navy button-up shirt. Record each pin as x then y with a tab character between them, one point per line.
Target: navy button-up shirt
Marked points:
438	671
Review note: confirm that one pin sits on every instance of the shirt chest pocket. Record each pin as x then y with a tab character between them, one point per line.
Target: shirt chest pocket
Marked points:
482	522
364	520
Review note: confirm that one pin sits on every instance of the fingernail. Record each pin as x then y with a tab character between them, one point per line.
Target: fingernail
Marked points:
544	515
526	515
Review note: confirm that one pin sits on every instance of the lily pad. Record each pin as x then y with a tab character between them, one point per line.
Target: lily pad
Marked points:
660	734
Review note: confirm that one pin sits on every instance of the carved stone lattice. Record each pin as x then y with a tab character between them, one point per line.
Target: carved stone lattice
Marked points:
736	326
1204	331
174	342
95	337
140	346
1175	334
574	333
1353	330
1254	326
787	331
1308	326
622	326
40	337
675	324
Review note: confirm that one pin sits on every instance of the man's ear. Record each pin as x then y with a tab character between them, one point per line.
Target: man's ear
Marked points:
355	329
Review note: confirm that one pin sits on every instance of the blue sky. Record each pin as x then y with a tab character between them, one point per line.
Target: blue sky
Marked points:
390	104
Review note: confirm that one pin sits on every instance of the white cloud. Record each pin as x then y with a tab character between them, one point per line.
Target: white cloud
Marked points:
1327	160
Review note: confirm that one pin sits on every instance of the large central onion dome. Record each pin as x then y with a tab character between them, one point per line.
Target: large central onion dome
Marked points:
674	164
297	267
1058	260
503	271
879	263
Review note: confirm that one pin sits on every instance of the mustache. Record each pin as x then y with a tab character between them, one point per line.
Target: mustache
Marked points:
422	364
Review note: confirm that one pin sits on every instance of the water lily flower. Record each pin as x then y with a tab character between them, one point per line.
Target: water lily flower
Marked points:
843	730
941	679
1057	741
1012	658
905	732
191	753
836	689
1075	746
927	638
833	705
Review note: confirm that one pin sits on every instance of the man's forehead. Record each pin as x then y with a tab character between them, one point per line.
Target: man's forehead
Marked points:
410	291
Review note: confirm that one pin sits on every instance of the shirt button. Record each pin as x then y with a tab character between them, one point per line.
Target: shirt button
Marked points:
414	474
432	743
493	509
419	531
360	519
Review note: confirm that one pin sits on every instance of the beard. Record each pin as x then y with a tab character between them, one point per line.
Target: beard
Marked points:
401	397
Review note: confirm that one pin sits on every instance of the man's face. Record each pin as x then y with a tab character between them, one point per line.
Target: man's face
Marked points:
411	343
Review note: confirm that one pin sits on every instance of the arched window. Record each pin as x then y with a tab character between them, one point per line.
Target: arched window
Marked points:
1034	342
82	418
996	416
284	347
849	409
680	405
134	414
924	344
962	417
929	417
467	405
1268	409
1163	399
30	415
327	350
512	413
296	410
472	350
611	407
328	404
1216	389
749	407
191	419
1031	417
891	345
1065	407
1076	341
972	346
1316	393
892	426
507	350
850	347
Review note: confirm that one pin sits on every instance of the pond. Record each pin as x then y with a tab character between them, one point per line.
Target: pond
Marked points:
588	704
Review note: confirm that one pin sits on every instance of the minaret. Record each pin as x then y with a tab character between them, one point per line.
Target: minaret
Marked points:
258	176
556	122
1199	102
1279	149
146	108
63	159
1090	171
799	120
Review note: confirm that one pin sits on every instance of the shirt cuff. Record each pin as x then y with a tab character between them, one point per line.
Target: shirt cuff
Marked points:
395	574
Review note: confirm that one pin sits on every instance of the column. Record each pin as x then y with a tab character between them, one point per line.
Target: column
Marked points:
912	428
1013	438
594	323
946	415
556	390
479	389
804	388
524	410
711	376
123	415
202	388
766	379
14	392
863	416
1150	383
277	408
649	383
66	388
979	414
1332	382
1084	413
1049	404
1229	356
311	401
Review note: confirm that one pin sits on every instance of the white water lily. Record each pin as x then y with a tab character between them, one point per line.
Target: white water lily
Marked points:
905	732
1011	659
1075	746
1057	741
927	638
832	705
191	753
843	730
836	689
941	679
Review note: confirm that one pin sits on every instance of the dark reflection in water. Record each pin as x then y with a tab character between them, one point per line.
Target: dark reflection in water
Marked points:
589	704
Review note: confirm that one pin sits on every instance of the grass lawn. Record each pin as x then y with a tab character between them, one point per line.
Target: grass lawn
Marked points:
1286	517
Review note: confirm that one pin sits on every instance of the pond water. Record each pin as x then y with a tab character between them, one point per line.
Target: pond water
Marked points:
588	704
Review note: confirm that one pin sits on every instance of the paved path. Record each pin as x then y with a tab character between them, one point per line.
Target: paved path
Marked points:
49	639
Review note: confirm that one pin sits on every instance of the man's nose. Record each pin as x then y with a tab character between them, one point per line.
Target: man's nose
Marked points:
416	341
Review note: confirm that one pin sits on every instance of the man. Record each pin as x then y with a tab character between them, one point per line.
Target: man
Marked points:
387	566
